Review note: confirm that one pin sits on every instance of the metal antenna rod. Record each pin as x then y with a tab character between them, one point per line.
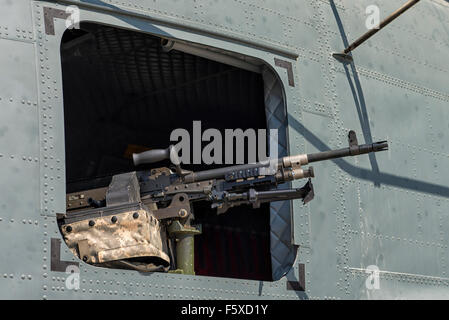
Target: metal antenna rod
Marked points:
372	32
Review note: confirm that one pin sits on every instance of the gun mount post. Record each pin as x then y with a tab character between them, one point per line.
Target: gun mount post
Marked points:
185	246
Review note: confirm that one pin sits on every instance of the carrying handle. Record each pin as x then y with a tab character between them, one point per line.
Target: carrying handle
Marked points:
156	155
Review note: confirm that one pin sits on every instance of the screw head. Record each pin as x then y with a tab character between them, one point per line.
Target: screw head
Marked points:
114	219
183	213
136	215
68	229
91	223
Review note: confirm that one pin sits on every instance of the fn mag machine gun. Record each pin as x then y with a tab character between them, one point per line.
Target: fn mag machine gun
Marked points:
144	220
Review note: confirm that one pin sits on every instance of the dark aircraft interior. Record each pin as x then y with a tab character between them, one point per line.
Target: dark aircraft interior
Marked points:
123	93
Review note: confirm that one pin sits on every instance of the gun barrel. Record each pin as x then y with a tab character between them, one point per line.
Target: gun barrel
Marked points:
287	162
348	152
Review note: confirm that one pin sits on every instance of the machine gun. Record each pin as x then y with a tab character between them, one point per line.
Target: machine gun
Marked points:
162	199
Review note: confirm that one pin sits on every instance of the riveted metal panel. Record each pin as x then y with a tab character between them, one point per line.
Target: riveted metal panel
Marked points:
97	282
391	193
19	134
402	62
18	81
21	256
51	116
16	22
19	197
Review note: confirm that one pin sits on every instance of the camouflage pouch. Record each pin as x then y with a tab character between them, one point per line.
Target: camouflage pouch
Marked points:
127	237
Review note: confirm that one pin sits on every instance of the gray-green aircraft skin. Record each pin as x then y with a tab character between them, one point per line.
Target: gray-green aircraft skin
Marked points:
378	227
